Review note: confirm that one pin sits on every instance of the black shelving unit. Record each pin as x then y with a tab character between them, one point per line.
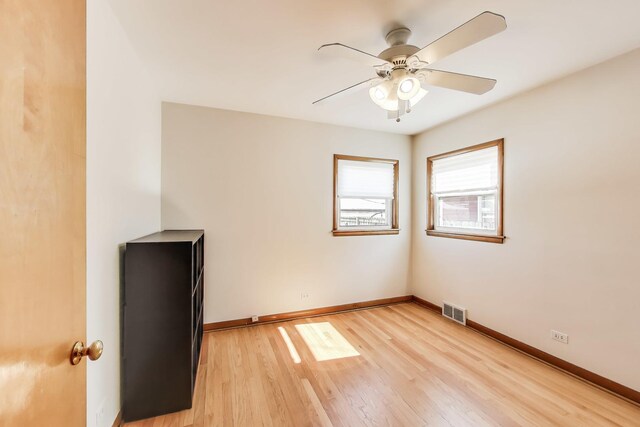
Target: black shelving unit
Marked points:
162	322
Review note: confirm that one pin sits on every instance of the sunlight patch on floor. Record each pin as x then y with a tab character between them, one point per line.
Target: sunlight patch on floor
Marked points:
292	348
325	342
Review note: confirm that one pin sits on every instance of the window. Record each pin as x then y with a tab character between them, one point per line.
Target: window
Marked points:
365	196
465	193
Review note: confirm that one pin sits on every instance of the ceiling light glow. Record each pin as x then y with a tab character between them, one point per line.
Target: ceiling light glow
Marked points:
406	86
398	93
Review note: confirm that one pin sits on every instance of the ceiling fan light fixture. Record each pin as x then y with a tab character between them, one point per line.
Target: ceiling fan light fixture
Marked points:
377	95
380	92
402	69
418	96
390	95
389	103
408	88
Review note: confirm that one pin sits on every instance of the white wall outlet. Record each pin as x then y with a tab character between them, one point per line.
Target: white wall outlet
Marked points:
254	318
304	295
560	336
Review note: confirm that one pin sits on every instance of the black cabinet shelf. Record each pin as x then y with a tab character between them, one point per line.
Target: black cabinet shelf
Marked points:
162	323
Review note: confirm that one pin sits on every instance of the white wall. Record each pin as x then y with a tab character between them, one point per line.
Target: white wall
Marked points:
261	187
123	188
572	212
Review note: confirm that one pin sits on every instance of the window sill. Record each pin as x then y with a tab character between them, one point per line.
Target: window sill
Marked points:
365	232
476	237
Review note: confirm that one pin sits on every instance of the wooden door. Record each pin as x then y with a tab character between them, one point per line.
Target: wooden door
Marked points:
42	212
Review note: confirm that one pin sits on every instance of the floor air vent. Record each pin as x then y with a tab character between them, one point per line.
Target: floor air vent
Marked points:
455	313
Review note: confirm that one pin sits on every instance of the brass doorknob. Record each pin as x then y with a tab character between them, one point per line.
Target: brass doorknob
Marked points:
94	351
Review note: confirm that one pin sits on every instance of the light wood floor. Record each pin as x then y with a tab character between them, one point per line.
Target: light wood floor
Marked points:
414	368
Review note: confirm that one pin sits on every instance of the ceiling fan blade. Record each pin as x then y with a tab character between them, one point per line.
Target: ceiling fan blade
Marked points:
347	89
477	29
342	50
455	81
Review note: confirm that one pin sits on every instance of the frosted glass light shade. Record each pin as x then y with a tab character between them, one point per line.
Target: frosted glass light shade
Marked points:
390	100
418	96
408	88
381	92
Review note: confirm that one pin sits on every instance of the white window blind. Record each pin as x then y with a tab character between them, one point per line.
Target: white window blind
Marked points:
473	171
358	179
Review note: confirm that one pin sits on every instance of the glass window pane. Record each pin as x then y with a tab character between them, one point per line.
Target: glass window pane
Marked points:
364	213
473	211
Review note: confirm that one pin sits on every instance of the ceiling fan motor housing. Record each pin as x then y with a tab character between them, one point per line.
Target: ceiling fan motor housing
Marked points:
398	36
399	50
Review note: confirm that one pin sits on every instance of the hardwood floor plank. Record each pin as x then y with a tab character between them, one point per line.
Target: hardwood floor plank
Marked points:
414	368
317	406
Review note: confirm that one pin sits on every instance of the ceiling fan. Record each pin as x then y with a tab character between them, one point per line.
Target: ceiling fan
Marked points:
403	71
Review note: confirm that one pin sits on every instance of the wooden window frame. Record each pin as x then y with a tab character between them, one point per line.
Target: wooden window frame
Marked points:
499	237
336	205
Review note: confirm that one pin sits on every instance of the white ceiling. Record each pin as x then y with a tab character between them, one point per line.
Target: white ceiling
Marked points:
261	56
